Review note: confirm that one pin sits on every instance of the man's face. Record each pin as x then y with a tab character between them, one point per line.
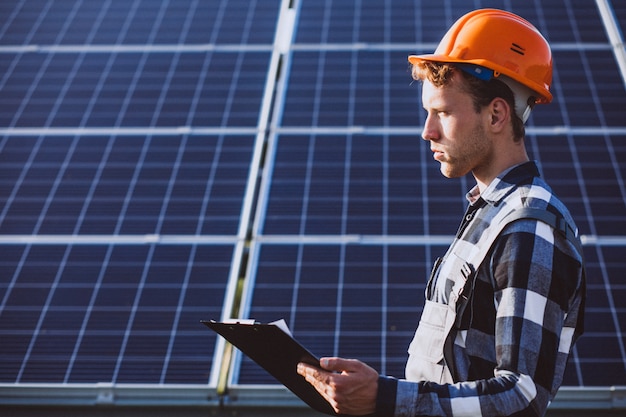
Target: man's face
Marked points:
455	131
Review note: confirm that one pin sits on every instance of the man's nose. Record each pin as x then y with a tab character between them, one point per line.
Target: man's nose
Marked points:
430	131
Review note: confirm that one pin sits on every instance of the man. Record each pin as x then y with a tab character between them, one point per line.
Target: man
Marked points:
505	304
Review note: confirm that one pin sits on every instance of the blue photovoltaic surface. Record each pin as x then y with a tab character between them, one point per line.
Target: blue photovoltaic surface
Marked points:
109	312
127	185
132	89
88	102
358	185
350	300
131	171
191	22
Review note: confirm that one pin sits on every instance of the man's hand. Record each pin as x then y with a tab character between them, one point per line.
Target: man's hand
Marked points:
350	386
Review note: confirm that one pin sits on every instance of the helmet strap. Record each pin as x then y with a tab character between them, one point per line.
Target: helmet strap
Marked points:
525	98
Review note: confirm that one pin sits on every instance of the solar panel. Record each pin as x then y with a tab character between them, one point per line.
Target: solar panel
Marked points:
125	313
352	300
155	157
118	167
136	22
124	184
357	185
132	89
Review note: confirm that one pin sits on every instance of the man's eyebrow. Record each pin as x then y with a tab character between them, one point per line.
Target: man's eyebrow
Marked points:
436	108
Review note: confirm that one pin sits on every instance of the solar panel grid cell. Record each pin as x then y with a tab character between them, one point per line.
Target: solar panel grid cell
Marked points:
366	88
358	189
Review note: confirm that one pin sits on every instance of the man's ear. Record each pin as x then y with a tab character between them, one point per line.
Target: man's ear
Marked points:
500	113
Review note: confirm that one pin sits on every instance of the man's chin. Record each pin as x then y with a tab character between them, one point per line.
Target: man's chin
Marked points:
448	171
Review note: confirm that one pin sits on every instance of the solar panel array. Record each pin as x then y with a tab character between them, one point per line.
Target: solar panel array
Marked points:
153	159
128	136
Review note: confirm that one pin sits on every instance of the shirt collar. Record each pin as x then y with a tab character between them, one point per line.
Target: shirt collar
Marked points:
504	183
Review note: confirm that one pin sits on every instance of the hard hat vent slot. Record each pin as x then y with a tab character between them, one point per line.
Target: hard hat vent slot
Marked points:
518	49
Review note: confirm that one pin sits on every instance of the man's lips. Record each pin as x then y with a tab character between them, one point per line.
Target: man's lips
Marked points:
437	154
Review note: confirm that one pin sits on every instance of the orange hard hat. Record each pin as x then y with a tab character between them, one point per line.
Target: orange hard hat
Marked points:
501	42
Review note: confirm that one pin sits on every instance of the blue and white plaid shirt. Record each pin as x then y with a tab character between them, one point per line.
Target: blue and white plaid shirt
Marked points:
509	351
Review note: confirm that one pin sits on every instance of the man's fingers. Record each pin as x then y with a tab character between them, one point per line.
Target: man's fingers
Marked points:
348	385
337	364
306	370
319	380
342	365
312	374
332	365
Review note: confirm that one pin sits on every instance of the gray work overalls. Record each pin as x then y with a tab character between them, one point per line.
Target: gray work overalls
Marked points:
427	361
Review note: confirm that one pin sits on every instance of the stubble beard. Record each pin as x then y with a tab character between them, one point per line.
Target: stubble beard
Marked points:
469	155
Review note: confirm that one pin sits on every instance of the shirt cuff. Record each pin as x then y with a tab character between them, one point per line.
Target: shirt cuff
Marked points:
386	396
406	398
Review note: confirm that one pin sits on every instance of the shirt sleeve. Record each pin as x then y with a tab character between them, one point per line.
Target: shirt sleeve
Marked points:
536	276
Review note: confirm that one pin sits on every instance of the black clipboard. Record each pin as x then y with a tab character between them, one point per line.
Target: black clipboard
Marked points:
278	353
